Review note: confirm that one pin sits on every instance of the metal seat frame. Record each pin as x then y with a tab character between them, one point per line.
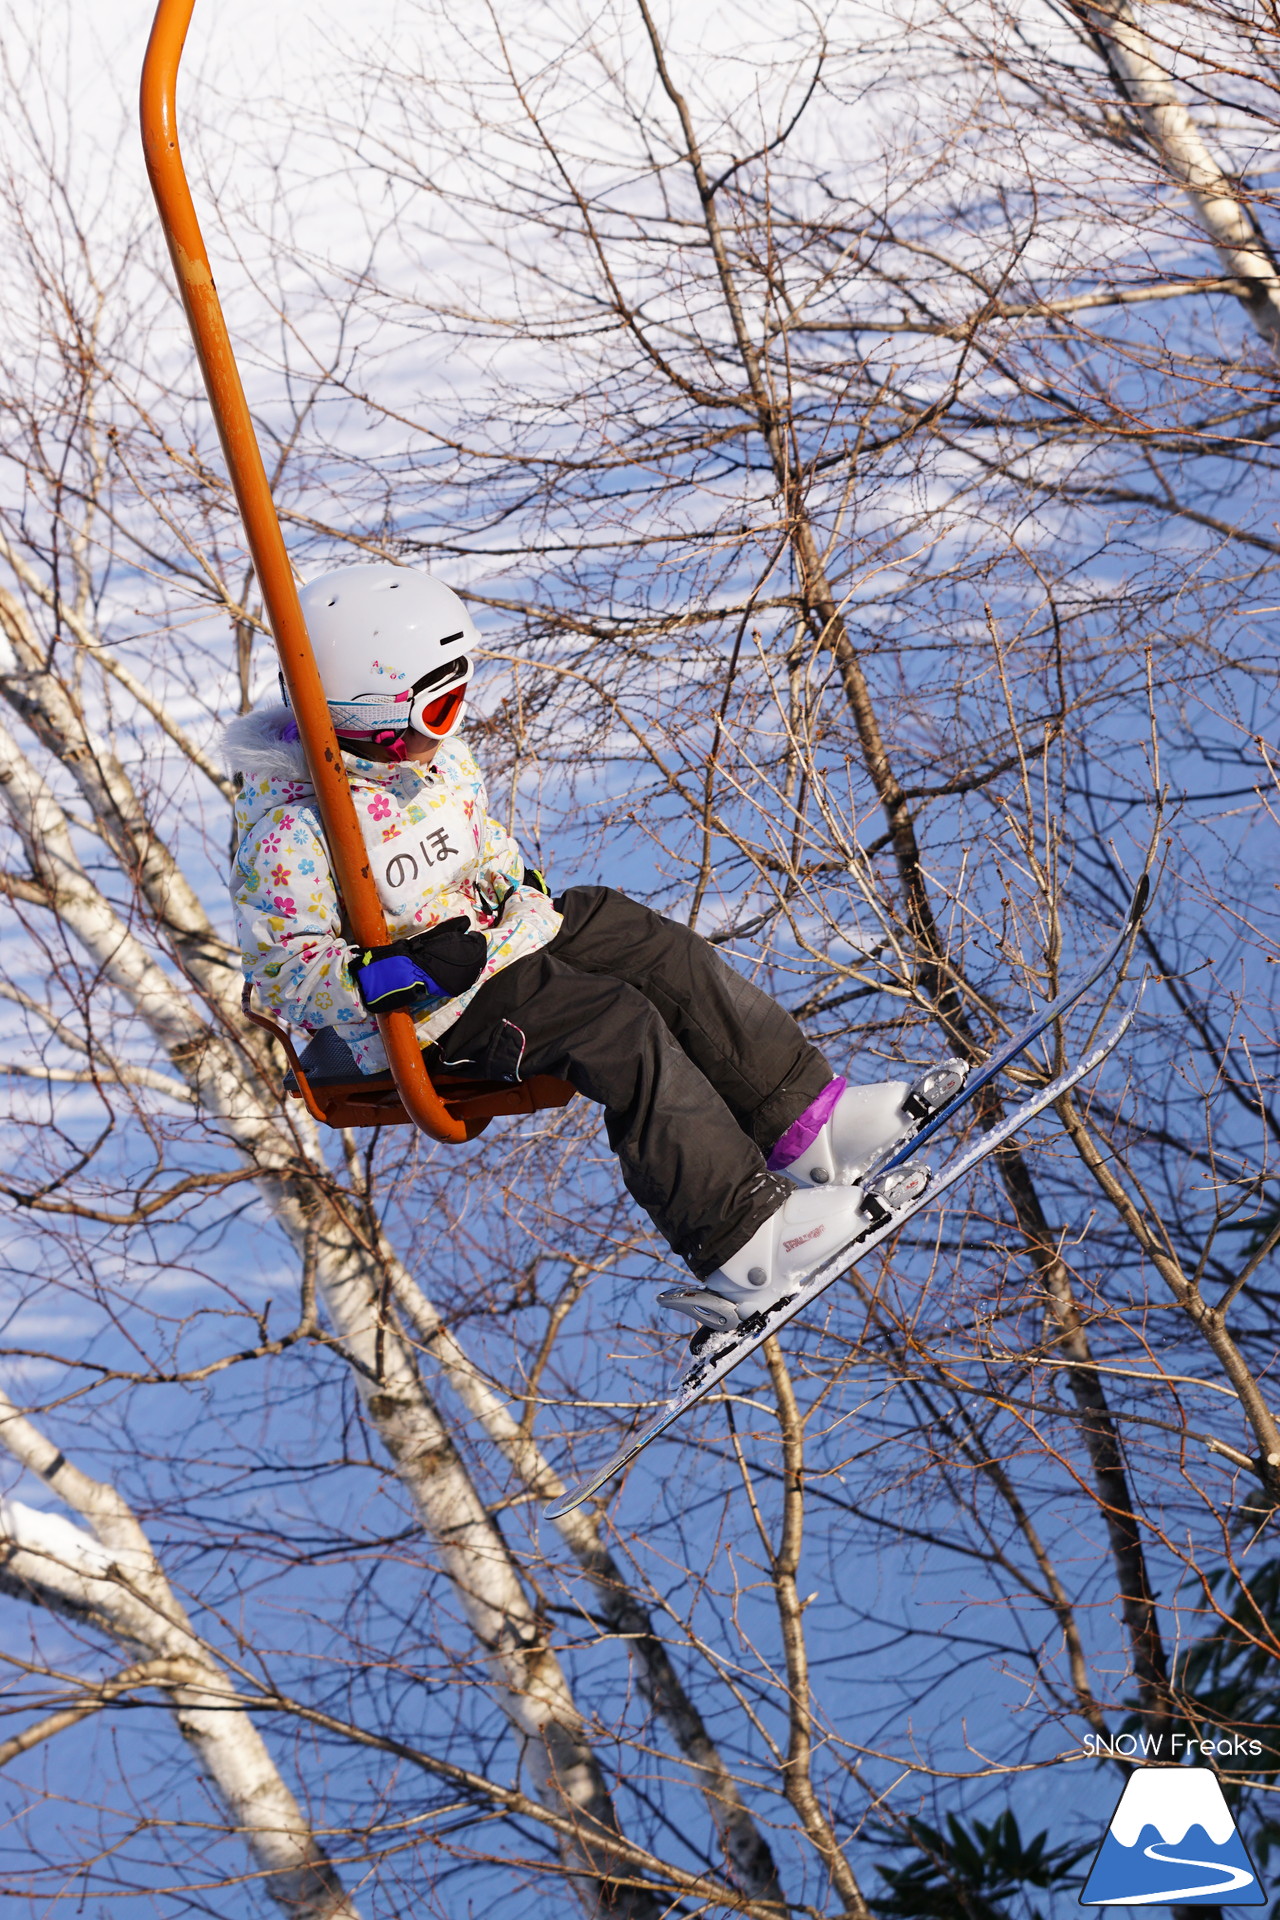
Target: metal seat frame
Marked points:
443	1111
371	1099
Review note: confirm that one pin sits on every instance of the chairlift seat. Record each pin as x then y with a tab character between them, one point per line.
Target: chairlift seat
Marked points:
325	1077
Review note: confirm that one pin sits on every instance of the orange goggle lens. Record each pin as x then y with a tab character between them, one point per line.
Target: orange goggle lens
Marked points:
440	716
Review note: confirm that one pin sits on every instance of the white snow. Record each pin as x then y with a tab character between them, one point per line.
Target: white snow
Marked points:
1172	1799
75	1548
49	1533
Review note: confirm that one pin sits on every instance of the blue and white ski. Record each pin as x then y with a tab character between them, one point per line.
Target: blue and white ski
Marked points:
723	1352
980	1076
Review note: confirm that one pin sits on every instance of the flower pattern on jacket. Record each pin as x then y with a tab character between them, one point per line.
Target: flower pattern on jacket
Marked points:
434	853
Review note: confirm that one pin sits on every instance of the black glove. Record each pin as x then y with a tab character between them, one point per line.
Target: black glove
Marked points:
442	962
532	878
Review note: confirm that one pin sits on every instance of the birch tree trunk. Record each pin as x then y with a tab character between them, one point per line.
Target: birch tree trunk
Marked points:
528	1681
745	1846
111	1578
1142	77
351	1272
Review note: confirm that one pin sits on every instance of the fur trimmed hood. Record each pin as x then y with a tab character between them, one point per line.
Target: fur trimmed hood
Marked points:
255	746
274	772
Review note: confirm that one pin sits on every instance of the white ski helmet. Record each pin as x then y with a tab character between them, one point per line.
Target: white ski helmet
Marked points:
395	649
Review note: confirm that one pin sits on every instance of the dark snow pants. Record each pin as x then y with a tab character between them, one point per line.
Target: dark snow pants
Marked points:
699	1073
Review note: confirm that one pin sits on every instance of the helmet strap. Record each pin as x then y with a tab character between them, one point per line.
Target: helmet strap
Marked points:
395	740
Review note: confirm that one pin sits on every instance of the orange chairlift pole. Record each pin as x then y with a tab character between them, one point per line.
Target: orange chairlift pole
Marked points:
266	545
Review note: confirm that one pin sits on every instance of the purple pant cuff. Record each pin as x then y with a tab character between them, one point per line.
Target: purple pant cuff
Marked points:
802	1133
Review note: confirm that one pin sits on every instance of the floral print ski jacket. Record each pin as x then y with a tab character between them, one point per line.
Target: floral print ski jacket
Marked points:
434	853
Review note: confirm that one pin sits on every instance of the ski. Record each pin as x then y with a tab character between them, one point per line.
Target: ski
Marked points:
980	1076
725	1351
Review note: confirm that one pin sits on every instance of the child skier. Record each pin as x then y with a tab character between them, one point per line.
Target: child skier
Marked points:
731	1130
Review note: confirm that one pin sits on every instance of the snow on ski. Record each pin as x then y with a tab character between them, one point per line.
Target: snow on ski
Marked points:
726	1351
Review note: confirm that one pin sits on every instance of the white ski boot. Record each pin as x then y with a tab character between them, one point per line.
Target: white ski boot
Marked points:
863	1123
805	1231
866	1122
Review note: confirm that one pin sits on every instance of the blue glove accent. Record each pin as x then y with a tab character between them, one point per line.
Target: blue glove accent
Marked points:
396	981
397	975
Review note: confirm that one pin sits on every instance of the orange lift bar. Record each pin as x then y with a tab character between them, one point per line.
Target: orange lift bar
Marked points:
419	1100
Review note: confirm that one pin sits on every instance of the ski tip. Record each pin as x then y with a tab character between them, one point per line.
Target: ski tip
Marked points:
1138	905
566	1502
557	1509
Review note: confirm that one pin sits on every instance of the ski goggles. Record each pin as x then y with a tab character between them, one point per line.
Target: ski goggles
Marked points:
431	706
